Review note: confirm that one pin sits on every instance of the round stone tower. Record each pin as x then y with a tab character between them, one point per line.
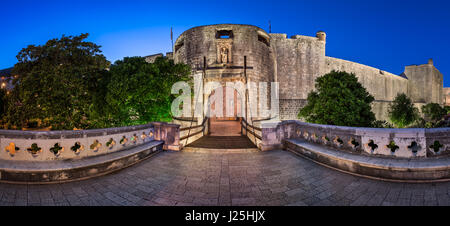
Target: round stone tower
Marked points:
228	53
224	47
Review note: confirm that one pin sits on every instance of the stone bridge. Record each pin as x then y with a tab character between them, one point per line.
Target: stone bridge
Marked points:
298	167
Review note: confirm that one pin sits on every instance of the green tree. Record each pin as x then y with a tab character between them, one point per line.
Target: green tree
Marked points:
447	109
56	83
402	111
3	102
433	112
339	100
139	92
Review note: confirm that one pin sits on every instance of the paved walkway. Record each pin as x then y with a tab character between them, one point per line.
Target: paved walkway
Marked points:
224	178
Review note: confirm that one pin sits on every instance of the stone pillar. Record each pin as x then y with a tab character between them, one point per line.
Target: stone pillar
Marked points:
271	136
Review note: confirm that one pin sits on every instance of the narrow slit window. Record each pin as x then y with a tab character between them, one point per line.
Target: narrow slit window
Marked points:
178	46
263	40
224	34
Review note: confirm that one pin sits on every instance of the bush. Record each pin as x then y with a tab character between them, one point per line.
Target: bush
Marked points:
447	109
139	92
382	124
433	112
402	111
339	100
56	84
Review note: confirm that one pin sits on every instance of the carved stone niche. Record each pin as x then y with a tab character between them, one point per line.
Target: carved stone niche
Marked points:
224	51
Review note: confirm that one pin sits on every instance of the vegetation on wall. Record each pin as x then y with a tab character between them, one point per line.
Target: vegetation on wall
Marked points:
3	101
139	92
447	109
433	112
433	117
340	100
402	111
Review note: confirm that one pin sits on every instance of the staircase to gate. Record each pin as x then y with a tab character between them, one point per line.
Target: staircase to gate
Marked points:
222	134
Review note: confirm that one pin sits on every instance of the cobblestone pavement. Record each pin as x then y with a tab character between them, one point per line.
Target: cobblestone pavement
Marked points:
221	178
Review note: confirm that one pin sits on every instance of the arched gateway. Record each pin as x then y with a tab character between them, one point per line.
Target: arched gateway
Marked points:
245	53
225	115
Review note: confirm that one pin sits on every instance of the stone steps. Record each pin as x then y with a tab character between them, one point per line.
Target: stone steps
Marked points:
223	142
212	150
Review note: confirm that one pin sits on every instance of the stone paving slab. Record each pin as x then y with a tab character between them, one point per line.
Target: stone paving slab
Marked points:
221	178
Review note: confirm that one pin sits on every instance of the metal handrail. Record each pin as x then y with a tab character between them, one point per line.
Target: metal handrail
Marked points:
251	126
188	128
185	119
195	127
245	124
255	135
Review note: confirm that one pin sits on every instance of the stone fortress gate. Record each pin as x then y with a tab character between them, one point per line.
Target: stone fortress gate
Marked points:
246	53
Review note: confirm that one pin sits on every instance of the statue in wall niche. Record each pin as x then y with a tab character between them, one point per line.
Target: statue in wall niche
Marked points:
224	55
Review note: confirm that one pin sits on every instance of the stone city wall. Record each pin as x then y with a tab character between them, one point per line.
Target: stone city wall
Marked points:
295	63
425	83
299	61
224	47
384	86
446	94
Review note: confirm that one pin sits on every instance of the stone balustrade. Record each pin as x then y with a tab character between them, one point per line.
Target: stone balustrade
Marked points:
65	145
402	143
55	156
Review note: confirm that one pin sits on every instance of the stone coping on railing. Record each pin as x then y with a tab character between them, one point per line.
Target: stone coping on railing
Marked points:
400	143
65	145
61	134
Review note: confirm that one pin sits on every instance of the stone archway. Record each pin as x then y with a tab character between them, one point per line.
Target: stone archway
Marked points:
228	122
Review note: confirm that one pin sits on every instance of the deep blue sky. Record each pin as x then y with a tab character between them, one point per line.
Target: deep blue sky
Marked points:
385	34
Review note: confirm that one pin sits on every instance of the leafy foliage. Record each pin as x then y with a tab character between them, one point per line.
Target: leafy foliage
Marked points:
139	92
56	149
34	149
392	146
436	146
57	83
68	84
402	111
339	100
447	109
433	112
3	102
76	147
382	124
372	145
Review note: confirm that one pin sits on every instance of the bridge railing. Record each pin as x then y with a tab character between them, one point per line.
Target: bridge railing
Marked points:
404	143
55	156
